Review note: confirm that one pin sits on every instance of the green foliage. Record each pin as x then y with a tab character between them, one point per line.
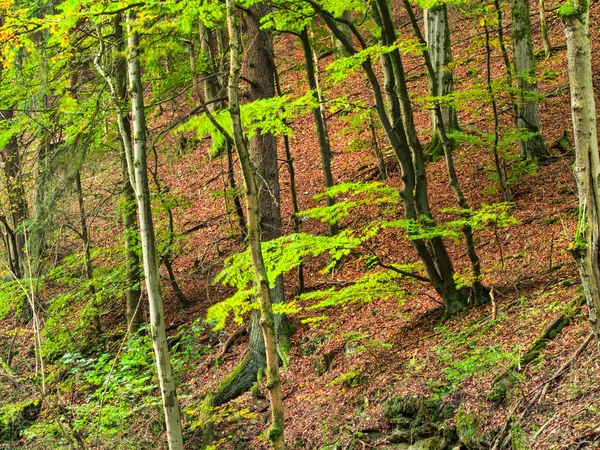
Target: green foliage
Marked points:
569	9
478	360
118	390
288	252
70	313
265	116
341	68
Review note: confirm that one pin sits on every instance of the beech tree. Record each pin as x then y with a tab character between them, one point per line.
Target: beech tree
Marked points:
254	214
528	107
575	15
437	35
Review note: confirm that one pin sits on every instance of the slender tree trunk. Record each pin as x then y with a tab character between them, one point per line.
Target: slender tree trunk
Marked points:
254	214
324	144
502	179
150	259
479	292
433	253
585	245
214	90
528	107
87	254
133	311
544	29
16	195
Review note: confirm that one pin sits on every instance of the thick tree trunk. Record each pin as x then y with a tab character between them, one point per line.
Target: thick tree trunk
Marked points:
133	312
528	107
340	50
150	259
263	152
437	35
255	216
585	245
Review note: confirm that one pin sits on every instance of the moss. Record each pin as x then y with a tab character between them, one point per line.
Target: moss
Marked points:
498	393
469	430
275	433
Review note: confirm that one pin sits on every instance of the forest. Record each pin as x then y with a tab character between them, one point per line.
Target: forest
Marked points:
299	224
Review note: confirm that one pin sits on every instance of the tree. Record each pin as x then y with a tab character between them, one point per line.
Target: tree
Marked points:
585	245
320	122
133	312
437	35
255	216
528	107
398	123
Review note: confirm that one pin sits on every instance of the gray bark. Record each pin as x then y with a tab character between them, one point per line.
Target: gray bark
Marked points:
133	312
528	106
149	253
437	35
585	246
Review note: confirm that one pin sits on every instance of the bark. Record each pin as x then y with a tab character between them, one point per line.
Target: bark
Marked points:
17	205
437	35
87	255
528	107
480	294
340	50
133	312
544	29
149	253
432	252
255	218
213	89
585	246
263	153
319	118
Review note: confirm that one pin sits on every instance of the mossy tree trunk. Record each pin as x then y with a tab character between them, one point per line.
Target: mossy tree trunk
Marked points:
255	216
585	246
133	312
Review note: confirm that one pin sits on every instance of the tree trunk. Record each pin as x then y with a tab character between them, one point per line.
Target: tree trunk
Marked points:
340	50
544	29
480	294
263	152
528	107
133	312
255	214
437	35
319	117
16	196
409	152
87	254
150	259
585	245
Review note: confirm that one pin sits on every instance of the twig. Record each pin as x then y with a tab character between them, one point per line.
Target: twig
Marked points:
542	429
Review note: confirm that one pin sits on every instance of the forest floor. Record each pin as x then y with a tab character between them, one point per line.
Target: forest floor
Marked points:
344	369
